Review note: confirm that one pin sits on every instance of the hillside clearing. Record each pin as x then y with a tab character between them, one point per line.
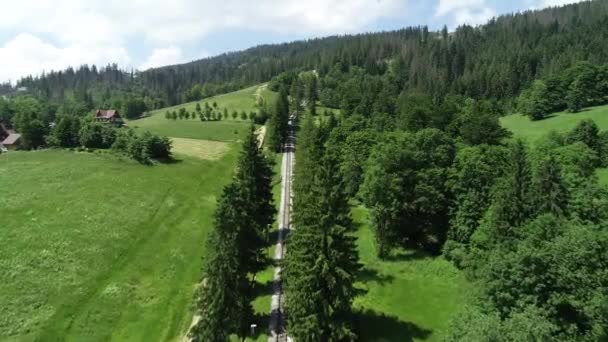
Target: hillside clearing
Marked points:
523	127
226	131
240	100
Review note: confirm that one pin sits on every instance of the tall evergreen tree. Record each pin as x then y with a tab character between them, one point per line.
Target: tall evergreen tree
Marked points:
222	303
277	126
235	251
512	198
254	176
321	262
550	189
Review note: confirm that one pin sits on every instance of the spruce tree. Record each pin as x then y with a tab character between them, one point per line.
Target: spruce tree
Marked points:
512	198
322	260
550	189
277	126
222	304
254	175
235	247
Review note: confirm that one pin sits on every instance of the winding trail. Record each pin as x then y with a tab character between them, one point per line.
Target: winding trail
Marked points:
277	327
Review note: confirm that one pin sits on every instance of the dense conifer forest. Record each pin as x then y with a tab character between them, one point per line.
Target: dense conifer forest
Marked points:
495	60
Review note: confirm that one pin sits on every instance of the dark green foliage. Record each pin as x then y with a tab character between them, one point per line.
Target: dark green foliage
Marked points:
235	253
322	262
97	135
550	189
221	304
472	177
539	253
312	94
254	176
534	102
354	153
477	123
66	132
277	125
586	132
142	148
512	198
134	107
558	266
405	188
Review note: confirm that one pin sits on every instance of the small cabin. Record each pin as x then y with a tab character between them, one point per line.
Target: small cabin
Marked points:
12	142
110	116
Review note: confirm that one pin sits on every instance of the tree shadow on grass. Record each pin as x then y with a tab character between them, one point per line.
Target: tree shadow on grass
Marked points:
406	255
370	275
374	326
170	160
263	289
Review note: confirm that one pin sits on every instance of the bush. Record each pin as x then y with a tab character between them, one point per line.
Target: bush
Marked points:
142	148
97	135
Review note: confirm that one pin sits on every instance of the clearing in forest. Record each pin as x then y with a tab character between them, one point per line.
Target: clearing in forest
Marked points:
409	296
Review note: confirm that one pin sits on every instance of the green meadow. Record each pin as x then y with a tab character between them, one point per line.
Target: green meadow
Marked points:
531	131
523	127
410	296
97	247
226	130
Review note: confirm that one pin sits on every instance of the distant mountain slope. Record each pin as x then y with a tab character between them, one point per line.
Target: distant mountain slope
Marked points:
494	60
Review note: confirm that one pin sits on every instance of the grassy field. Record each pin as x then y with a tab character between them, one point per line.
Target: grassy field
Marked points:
225	130
523	127
201	149
97	248
240	100
409	297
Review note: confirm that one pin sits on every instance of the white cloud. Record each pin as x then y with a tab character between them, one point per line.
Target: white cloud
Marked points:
163	56
88	27
27	54
472	12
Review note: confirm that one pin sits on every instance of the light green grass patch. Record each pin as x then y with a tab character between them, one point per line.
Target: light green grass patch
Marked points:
409	296
240	100
100	248
201	149
532	131
228	131
194	128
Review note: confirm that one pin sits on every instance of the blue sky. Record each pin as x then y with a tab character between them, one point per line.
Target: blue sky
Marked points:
39	35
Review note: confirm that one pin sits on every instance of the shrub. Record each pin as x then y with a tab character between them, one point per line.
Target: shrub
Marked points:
97	135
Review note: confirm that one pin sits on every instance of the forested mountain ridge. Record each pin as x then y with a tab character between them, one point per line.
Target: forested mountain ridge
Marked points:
495	60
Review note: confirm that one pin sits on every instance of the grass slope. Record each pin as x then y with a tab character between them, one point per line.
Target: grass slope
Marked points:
225	130
532	131
95	248
409	297
523	127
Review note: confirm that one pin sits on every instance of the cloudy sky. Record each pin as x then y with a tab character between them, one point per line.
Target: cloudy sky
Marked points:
37	35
